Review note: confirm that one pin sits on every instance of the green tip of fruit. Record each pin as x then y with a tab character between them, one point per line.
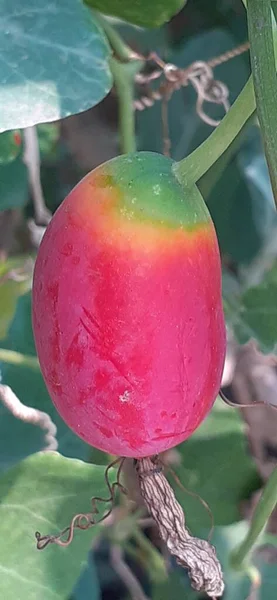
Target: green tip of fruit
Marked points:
150	191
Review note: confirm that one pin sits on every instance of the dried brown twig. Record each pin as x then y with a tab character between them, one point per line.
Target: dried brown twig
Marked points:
199	74
196	555
30	415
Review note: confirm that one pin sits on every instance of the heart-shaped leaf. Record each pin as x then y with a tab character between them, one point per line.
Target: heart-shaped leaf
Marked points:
54	61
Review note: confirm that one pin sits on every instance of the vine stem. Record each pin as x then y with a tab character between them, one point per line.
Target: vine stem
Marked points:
124	65
16	358
28	414
121	50
264	78
123	75
263	510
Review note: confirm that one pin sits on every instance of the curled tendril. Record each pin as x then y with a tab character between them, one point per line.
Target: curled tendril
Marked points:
193	495
239	405
84	521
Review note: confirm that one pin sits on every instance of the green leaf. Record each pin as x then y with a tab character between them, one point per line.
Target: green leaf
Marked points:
10	145
217	466
269	579
248	207
140	12
14	186
54	61
17	439
225	539
15	280
87	587
176	586
254	313
238	583
43	493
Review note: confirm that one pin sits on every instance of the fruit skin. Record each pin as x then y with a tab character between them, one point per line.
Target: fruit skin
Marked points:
127	310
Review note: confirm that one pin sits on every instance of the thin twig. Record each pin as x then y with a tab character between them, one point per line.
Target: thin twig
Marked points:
193	495
126	575
17	358
240	405
31	415
199	74
165	126
32	162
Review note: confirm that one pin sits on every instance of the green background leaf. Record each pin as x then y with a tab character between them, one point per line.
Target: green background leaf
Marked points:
43	493
237	584
217	466
54	61
11	289
140	12
87	586
14	187
253	314
10	143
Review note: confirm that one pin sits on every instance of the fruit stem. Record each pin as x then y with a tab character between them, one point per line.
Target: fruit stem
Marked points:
193	167
123	74
211	177
262	512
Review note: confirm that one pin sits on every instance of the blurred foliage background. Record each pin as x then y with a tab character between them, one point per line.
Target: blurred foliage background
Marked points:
227	460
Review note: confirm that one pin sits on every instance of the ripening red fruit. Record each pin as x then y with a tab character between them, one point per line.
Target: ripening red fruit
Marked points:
127	309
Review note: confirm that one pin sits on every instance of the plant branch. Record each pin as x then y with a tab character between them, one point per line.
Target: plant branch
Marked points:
16	358
30	415
211	177
263	510
124	64
32	162
123	570
264	78
153	558
123	74
123	52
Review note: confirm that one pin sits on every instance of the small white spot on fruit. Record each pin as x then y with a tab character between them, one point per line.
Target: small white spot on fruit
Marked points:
157	189
125	397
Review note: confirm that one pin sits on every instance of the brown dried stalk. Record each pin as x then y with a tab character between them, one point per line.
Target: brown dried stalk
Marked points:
196	555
